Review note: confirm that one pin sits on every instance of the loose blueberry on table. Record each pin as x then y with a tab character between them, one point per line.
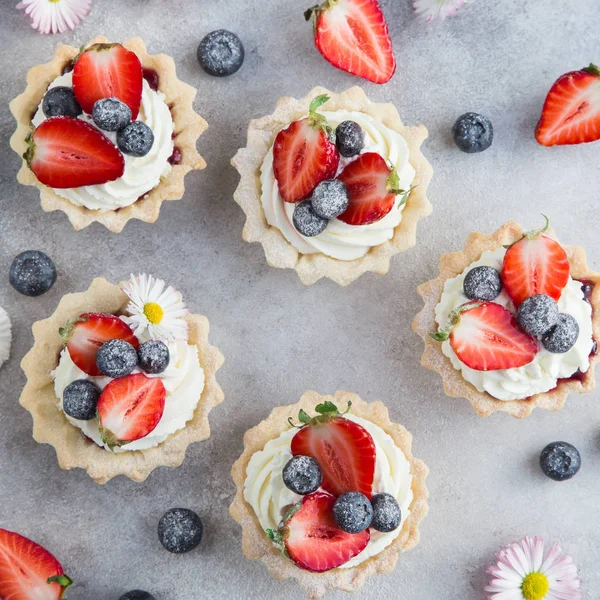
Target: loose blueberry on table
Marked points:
32	273
473	133
221	53
137	595
180	530
560	461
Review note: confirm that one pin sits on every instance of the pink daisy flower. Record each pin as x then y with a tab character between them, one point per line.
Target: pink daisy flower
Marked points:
437	9
55	16
522	572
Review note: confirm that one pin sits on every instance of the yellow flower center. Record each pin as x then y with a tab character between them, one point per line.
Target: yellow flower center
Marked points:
154	313
535	586
54	0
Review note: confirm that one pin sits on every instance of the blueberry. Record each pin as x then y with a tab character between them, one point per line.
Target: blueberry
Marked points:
137	595
154	357
111	114
32	273
306	221
386	513
80	399
135	139
116	358
180	530
473	133
60	101
221	53
560	461
353	512
349	138
537	314
562	337
482	283
302	475
330	199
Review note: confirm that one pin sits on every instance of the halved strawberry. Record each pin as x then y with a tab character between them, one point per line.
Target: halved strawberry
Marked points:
304	155
535	264
571	112
28	571
65	152
353	36
108	71
485	337
344	450
130	408
372	189
313	540
84	336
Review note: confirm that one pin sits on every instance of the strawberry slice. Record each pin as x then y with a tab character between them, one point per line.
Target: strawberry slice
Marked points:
65	152
27	571
535	264
485	337
108	71
353	36
372	189
344	450
311	537
304	155
130	408
571	112
84	336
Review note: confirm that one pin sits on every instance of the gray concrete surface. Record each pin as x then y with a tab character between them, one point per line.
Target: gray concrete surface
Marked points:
280	338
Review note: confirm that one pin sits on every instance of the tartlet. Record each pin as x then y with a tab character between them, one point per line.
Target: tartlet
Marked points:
257	546
279	251
159	72
453	265
73	448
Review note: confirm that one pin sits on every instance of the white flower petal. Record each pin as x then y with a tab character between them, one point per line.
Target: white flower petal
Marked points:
55	16
5	336
437	9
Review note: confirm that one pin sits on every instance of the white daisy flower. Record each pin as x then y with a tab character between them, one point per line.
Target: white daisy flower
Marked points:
155	311
5	336
437	9
55	16
523	573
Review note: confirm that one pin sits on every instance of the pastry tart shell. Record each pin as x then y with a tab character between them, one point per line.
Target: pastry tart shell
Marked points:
73	449
256	545
433	358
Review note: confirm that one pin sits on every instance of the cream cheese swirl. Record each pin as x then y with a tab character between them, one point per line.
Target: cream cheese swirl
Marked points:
266	493
541	374
141	173
340	240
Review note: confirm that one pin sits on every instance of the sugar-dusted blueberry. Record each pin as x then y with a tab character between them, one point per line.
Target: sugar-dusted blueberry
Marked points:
116	358
221	53
386	513
135	139
302	475
137	595
154	357
482	283
32	273
349	138
330	199
80	398
537	314
560	461
307	221
180	530
353	512
473	133
111	114
60	101
563	336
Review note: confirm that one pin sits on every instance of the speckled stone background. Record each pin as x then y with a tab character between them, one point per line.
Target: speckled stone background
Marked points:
280	338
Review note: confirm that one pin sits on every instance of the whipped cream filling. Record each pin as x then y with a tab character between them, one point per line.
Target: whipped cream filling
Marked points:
183	380
141	173
340	240
541	374
266	493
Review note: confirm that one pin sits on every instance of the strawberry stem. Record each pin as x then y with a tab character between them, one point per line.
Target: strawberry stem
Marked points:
454	319
404	195
63	580
317	121
592	70
326	411
534	233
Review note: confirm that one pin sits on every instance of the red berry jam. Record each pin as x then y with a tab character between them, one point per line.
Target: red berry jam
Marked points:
151	76
175	158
